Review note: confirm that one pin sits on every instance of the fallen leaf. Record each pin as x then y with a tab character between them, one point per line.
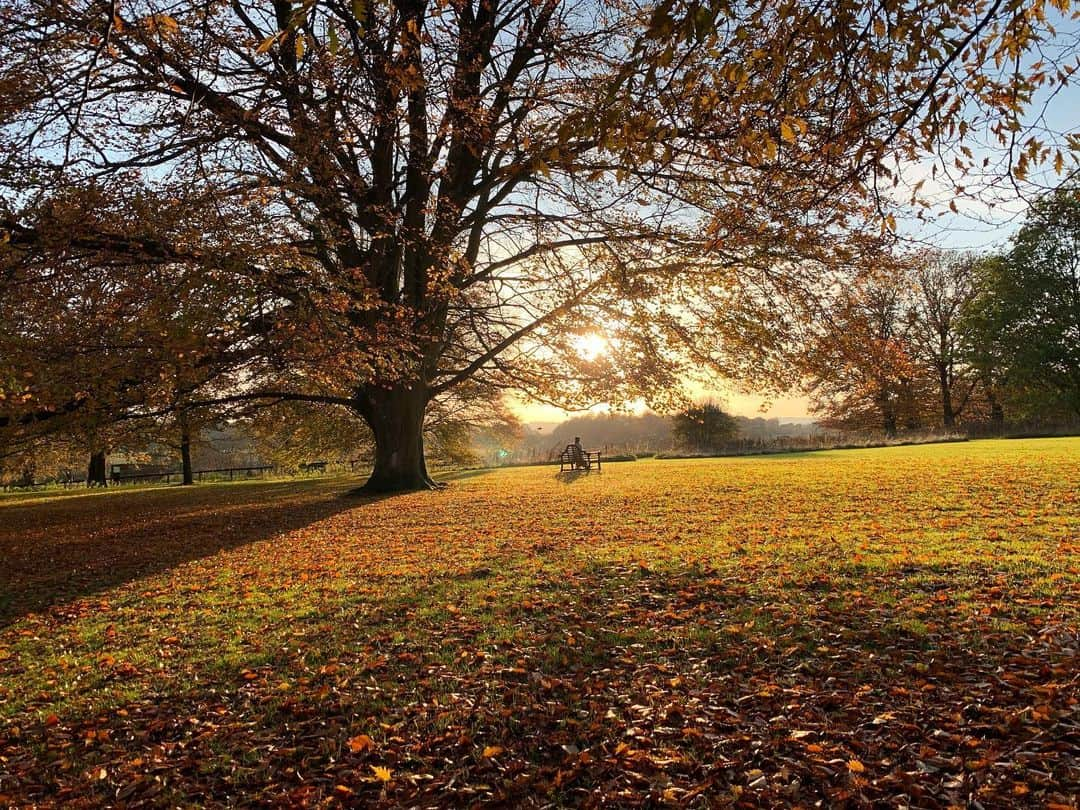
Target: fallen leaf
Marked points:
361	742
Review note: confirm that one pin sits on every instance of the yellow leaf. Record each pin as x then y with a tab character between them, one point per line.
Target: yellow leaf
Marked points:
786	132
382	774
163	25
492	751
267	44
855	766
300	44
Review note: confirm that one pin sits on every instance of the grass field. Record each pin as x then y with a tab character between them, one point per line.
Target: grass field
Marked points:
882	627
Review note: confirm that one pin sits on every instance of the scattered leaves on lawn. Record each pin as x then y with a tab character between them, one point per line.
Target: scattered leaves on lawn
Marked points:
856	628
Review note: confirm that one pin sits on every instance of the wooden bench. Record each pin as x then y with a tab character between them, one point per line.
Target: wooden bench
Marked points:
574	458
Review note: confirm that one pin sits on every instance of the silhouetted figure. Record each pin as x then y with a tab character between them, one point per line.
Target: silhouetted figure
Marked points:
578	454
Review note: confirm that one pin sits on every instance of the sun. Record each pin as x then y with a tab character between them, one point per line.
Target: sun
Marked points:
591	345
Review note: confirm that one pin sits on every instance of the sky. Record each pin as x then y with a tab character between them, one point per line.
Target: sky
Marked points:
984	222
793	407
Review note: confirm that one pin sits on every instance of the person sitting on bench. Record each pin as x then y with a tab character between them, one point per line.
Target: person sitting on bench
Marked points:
577	453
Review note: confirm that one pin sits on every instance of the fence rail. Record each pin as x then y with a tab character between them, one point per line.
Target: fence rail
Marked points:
120	478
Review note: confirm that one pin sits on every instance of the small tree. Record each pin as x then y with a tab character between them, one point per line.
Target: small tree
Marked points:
704	427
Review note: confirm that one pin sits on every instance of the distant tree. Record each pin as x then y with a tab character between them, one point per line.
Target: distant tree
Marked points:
981	344
295	433
858	364
941	286
704	427
457	426
625	431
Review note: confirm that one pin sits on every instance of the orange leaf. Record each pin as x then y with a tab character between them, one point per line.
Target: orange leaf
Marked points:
361	742
267	43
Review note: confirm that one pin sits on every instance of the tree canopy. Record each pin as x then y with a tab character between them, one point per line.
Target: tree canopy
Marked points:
705	426
1024	322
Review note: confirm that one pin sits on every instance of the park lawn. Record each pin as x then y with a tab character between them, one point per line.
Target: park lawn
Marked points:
895	626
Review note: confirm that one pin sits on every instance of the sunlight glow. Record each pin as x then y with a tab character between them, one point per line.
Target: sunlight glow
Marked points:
591	345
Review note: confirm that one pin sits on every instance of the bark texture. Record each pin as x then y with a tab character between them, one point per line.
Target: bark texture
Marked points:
396	419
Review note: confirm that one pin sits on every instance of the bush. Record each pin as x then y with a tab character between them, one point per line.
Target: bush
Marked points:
622	457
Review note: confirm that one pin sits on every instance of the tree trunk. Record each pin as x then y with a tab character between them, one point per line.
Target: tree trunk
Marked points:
396	419
889	423
185	459
185	452
997	414
95	470
887	408
948	416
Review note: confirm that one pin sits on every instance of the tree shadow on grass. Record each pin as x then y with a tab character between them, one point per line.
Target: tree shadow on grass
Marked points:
59	550
614	685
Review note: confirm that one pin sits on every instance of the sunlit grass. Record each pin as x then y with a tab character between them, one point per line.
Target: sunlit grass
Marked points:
264	608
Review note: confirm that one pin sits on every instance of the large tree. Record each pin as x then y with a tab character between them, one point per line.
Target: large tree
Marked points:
1024	322
394	197
87	343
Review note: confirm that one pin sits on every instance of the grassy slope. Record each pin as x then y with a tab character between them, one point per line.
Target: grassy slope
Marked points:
894	625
